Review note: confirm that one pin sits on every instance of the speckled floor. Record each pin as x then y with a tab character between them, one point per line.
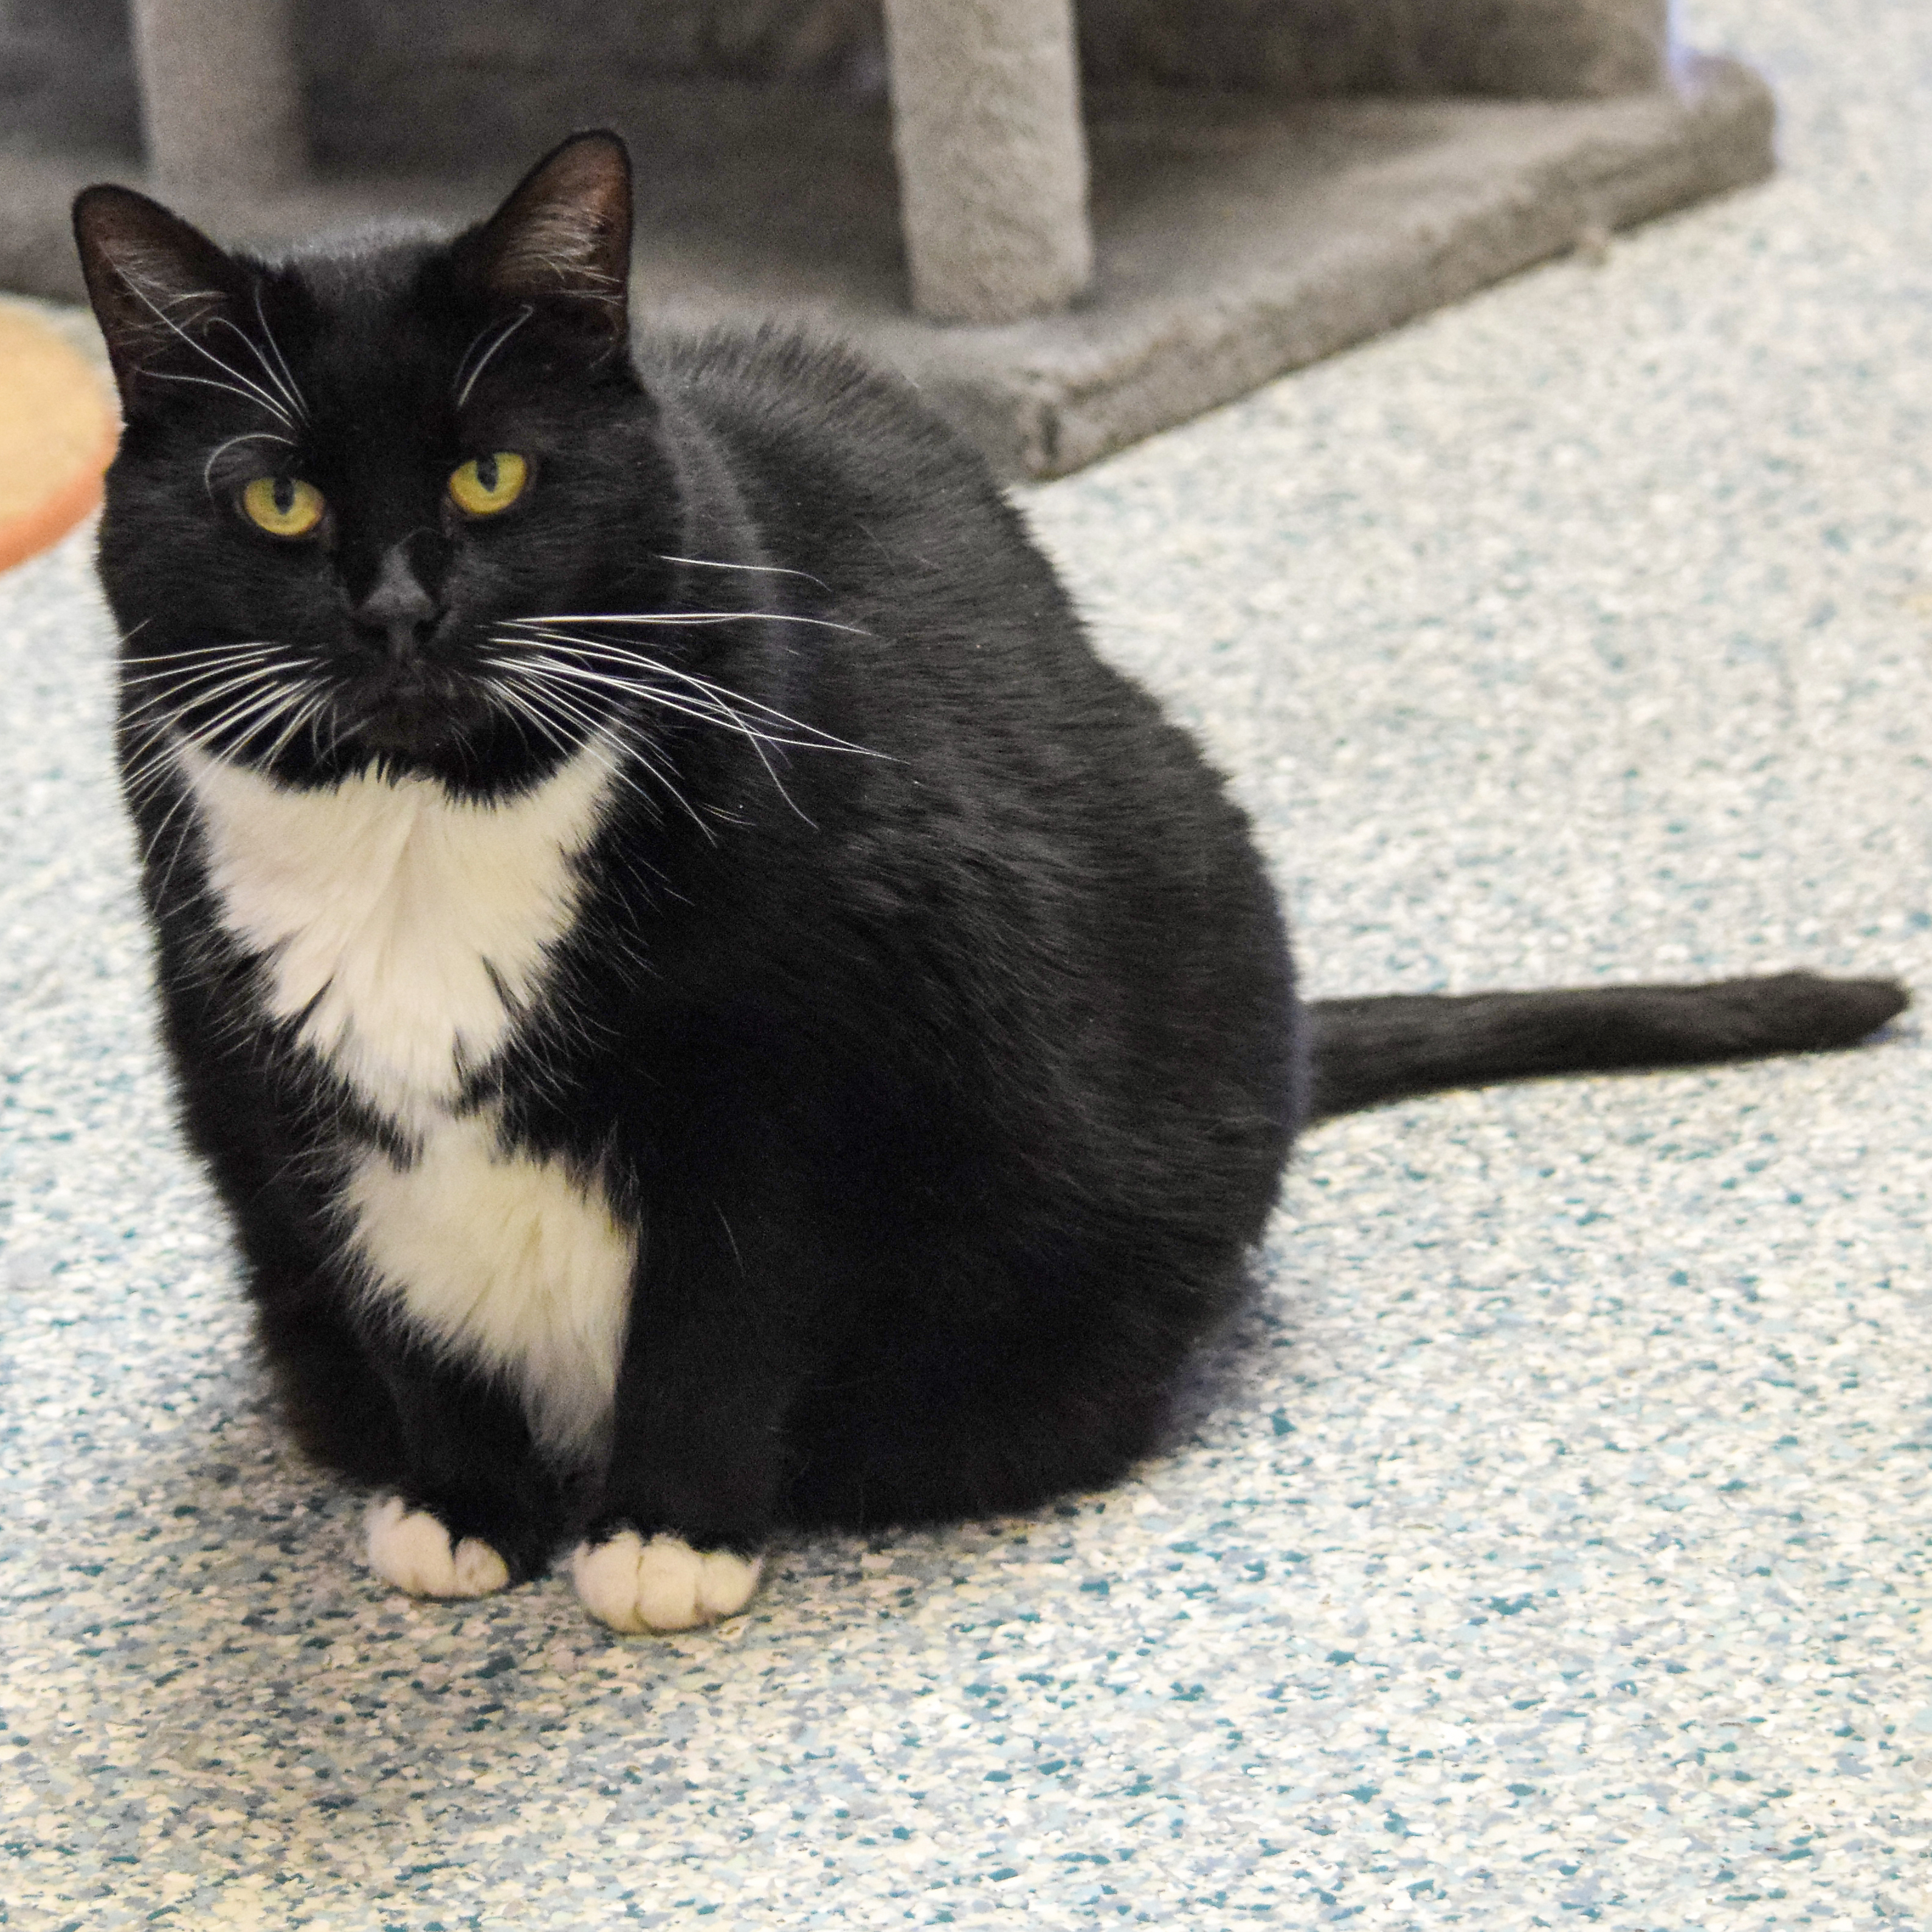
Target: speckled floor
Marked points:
1554	1553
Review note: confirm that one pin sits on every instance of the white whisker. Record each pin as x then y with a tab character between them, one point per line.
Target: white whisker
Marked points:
718	714
522	316
692	617
294	388
508	704
255	349
520	706
198	650
315	702
172	704
565	708
153	845
208	383
156	757
265	705
821	739
215	456
760	569
710	711
249	389
184	680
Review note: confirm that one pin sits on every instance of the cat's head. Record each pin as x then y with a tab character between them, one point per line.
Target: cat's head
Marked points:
348	479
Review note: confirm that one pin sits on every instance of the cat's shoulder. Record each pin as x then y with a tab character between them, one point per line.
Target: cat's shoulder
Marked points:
784	386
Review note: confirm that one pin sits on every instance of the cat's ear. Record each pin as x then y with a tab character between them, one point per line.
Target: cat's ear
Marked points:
562	241
157	284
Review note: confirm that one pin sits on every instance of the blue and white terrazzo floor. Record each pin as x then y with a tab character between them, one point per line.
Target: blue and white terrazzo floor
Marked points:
1554	1553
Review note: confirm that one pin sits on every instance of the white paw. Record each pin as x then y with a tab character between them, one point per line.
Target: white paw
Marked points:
663	1584
411	1549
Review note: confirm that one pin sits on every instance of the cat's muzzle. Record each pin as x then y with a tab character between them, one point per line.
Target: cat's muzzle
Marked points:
410	709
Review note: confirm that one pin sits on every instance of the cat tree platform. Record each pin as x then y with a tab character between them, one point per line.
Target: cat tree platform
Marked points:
1134	257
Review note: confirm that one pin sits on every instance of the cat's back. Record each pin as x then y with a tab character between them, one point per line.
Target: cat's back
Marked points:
813	424
848	475
937	633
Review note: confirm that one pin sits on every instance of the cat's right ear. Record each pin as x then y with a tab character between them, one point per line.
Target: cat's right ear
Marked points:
156	283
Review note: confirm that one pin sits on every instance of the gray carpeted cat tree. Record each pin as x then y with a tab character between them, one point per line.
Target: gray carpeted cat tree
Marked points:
1247	184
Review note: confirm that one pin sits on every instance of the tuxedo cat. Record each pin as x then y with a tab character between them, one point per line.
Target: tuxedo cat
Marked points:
710	1008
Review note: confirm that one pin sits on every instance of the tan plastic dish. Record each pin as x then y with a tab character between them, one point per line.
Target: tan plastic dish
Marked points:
57	431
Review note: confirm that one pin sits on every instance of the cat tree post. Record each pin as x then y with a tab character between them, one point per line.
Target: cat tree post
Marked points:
992	156
221	106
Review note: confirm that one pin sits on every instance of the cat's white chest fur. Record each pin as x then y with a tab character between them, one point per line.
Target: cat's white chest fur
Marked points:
403	926
405	929
517	1264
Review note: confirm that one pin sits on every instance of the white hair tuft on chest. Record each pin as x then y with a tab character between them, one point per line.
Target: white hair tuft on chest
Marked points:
405	926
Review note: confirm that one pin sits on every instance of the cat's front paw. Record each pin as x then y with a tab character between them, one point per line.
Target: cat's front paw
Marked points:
412	1550
661	1585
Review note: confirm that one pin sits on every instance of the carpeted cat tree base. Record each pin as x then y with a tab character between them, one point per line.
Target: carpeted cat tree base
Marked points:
1235	236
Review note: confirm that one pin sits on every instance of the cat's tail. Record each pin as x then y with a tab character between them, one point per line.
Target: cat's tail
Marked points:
1369	1051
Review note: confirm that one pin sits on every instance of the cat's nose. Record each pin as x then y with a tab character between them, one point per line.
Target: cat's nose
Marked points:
398	607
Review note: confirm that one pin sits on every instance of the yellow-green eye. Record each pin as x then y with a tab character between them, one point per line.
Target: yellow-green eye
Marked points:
488	484
283	506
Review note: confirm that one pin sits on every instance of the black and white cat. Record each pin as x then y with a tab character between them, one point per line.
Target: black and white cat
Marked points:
710	1007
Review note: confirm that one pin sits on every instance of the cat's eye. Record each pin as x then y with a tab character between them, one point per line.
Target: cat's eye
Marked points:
487	484
284	506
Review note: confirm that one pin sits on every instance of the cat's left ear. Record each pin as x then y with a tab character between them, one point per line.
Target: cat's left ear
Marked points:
562	241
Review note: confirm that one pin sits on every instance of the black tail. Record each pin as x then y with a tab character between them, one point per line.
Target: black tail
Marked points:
1372	1050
